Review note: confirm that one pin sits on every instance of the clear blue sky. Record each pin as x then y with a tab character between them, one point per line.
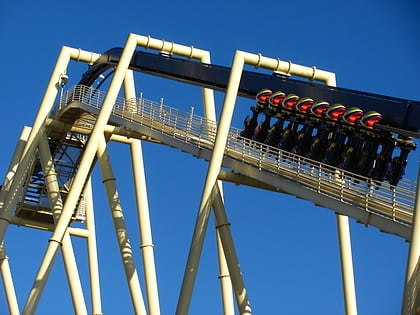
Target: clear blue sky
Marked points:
287	247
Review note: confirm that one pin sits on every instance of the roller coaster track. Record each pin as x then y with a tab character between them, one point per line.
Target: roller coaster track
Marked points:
389	208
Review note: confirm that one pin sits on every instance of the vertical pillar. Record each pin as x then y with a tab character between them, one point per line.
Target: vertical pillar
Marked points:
346	265
56	204
346	258
145	228
143	209
196	247
411	292
18	174
9	288
92	252
225	281
4	263
224	277
120	229
223	228
84	167
211	179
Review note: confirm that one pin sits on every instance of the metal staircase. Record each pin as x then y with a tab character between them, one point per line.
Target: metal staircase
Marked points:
34	203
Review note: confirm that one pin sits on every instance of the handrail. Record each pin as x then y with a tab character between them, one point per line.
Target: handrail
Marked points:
395	203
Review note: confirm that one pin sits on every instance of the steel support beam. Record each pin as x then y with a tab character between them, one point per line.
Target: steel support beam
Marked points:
95	288
344	241
411	298
56	203
120	229
17	175
224	277
231	258
143	210
85	164
4	263
240	59
9	288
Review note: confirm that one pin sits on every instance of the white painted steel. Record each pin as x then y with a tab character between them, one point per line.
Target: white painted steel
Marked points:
191	131
223	227
240	59
120	229
132	41
66	54
287	67
145	228
84	167
143	215
56	202
35	224
211	179
4	263
346	258
225	282
411	298
193	259
224	277
97	132
95	287
7	280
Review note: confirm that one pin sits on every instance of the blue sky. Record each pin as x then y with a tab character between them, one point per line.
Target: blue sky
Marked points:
287	247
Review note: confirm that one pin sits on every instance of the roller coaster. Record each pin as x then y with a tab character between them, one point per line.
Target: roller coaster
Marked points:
340	149
361	131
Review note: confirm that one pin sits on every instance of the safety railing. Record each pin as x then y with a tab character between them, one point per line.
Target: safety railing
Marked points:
393	202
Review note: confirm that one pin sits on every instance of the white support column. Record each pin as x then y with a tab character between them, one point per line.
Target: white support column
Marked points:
223	227
85	165
95	288
143	210
9	288
346	259
191	267
121	230
349	290
241	58
20	147
56	203
17	175
224	277
145	228
225	281
4	263
211	178
411	289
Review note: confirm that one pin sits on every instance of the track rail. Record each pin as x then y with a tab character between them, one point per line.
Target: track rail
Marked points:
389	208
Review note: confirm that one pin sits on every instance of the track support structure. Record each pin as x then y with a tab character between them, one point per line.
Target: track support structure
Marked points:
33	146
411	296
